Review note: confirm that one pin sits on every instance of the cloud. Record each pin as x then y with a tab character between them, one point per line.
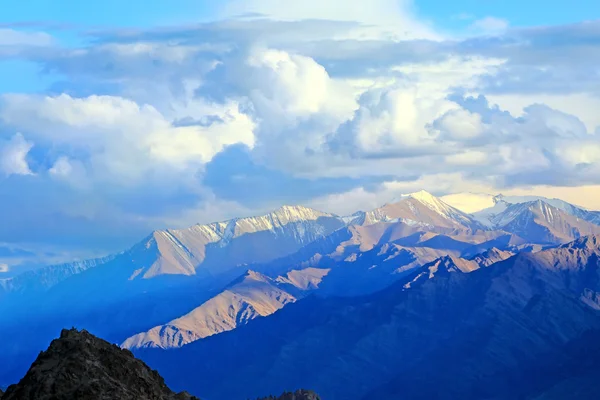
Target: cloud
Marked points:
490	25
394	17
13	156
11	37
119	140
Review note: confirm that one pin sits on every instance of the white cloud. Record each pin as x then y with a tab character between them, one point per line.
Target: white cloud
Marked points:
13	156
62	167
11	37
121	140
460	124
490	25
380	17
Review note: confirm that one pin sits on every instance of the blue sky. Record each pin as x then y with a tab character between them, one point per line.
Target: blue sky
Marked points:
117	118
158	12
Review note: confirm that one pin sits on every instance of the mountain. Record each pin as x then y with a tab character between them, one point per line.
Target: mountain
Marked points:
571	209
510	329
42	279
252	296
357	262
490	216
212	248
215	247
80	366
174	287
173	272
540	222
420	208
219	247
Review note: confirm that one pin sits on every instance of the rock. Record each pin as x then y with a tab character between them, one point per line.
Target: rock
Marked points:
81	366
298	395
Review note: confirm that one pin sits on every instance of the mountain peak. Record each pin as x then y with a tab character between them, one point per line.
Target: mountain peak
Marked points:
296	213
422	195
584	242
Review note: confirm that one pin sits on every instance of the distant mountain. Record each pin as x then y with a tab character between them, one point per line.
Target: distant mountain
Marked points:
341	264
492	215
218	247
540	222
45	278
81	366
421	209
215	247
510	329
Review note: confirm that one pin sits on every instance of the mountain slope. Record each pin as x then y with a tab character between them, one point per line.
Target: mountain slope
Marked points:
252	296
495	328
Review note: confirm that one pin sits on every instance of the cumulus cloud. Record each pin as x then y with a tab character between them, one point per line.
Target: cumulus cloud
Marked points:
119	139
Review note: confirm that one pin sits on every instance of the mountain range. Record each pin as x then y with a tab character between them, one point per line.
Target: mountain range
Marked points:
303	293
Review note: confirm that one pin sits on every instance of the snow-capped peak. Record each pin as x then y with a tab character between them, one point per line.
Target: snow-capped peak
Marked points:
440	207
298	213
423	196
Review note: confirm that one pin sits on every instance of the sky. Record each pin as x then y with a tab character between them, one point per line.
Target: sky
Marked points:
119	118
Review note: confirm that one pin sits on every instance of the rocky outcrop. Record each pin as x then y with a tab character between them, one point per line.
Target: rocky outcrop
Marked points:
298	395
80	366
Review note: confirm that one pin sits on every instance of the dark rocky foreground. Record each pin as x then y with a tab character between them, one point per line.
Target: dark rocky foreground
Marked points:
80	366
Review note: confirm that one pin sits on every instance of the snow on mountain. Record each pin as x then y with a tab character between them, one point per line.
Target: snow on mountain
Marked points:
252	296
486	208
230	243
540	222
419	208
